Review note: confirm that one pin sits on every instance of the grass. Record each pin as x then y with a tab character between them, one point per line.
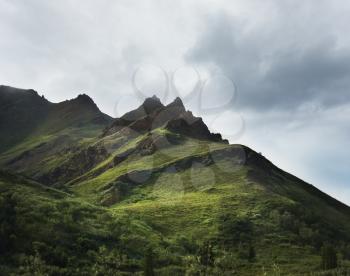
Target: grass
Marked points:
160	159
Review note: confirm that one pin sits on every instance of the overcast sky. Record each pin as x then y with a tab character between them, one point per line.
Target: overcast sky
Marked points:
274	75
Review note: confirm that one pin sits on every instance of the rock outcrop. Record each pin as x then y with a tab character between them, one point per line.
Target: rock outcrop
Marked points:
174	117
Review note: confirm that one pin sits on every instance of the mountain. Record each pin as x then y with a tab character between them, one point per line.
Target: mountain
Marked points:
155	190
34	130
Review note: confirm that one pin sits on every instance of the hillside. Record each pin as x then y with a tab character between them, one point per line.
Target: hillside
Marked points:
34	130
156	190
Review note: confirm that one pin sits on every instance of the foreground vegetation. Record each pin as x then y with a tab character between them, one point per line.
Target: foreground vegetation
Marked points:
233	227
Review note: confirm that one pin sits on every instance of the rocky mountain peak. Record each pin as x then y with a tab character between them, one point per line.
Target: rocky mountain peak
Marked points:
154	97
153	114
152	104
178	104
81	101
83	98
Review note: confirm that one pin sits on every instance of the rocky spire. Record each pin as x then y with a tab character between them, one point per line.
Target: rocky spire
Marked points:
152	104
178	104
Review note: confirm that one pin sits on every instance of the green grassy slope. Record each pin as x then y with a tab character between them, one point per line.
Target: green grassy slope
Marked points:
290	220
176	213
191	190
44	231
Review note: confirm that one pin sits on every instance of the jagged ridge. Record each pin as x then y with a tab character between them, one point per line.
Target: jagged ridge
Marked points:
153	114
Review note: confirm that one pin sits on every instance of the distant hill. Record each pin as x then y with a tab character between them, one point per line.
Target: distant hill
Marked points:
155	190
34	129
23	114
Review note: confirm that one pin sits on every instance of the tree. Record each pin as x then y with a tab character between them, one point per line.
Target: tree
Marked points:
34	265
7	222
329	257
345	250
206	254
251	253
107	263
288	222
234	231
149	263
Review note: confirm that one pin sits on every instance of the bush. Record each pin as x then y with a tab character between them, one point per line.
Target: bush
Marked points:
234	231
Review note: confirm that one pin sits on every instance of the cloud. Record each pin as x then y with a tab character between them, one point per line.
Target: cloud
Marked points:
69	47
271	69
291	67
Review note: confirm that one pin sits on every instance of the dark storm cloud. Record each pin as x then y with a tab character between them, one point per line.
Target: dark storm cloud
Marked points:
291	66
272	73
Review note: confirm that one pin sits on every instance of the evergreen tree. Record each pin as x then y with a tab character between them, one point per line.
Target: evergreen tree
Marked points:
251	253
7	222
34	265
149	263
106	263
206	256
329	257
